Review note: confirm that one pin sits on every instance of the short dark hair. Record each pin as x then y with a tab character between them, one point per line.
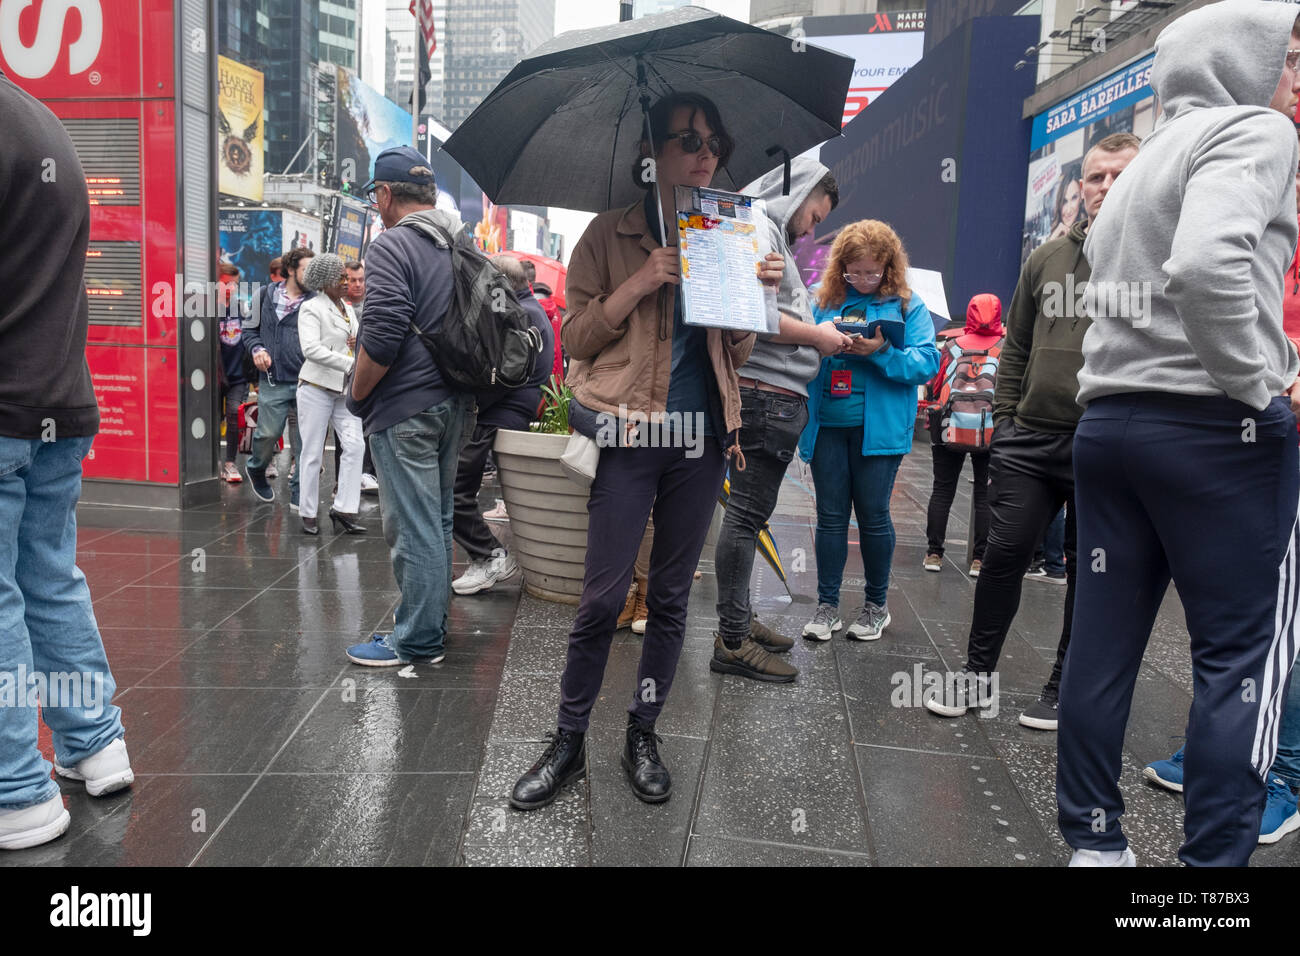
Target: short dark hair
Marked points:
831	188
228	269
414	193
353	264
276	265
530	268
295	256
660	115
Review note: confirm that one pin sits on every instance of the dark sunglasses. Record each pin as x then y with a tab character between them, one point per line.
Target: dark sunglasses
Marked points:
693	143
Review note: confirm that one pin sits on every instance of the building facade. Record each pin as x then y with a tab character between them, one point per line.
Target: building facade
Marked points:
483	42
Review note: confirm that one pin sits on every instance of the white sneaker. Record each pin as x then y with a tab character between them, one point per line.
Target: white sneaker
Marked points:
369	485
1122	857
32	826
481	575
104	772
498	513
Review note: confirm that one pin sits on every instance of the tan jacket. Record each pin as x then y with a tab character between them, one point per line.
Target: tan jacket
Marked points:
628	363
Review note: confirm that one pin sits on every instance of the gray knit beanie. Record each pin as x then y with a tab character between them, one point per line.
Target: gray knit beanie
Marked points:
323	270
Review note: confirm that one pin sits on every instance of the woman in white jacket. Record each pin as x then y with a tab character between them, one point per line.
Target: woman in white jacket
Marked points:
327	329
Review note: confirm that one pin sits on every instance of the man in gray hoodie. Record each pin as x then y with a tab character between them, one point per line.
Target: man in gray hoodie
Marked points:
773	413
1186	464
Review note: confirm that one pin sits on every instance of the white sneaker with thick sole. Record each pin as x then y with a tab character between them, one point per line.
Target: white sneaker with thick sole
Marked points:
104	772
481	575
32	826
369	485
1122	857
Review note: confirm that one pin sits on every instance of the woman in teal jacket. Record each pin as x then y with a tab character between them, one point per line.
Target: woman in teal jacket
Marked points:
861	411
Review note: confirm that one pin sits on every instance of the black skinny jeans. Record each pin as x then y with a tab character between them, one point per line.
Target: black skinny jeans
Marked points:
947	472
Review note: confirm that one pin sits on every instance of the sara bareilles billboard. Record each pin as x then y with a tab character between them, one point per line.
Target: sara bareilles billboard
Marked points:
133	83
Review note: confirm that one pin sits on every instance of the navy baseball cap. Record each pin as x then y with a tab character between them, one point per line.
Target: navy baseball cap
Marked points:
402	164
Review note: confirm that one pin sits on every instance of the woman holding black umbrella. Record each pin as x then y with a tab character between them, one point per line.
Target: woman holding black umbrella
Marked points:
633	353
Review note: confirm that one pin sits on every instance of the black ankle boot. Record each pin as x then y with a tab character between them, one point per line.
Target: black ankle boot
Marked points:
563	762
645	771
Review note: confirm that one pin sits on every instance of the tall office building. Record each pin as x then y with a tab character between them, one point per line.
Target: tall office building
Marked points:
340	33
285	39
484	40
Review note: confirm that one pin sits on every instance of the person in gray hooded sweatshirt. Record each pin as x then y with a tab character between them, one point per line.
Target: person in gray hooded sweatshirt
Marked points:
773	413
1186	465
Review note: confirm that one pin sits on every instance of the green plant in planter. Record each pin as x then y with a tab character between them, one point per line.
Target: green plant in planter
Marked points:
555	409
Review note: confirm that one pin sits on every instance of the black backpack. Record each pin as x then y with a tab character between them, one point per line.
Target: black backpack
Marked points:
486	340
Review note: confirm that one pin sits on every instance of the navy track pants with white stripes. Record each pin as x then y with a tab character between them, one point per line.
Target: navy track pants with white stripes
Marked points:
1203	490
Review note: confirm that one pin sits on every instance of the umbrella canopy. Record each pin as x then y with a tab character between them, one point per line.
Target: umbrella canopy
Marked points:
562	128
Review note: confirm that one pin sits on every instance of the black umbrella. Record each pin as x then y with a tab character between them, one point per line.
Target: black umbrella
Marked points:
562	128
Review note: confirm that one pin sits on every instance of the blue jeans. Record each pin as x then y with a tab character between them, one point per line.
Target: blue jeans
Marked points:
1054	544
48	635
843	477
1287	764
416	459
276	404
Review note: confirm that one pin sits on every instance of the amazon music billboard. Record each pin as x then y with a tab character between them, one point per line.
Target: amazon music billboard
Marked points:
134	85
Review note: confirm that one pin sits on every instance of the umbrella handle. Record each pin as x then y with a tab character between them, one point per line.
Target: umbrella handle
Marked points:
785	157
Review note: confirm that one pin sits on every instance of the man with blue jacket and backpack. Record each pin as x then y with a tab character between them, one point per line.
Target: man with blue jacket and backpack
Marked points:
1031	471
414	418
271	338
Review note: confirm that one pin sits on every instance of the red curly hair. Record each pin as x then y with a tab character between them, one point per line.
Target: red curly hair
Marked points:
857	240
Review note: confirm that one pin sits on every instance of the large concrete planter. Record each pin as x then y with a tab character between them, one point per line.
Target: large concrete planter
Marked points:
548	514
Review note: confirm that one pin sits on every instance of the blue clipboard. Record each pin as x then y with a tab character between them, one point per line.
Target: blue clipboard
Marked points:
895	330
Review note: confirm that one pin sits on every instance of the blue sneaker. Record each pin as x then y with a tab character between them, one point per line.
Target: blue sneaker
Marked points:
374	653
1167	773
1280	813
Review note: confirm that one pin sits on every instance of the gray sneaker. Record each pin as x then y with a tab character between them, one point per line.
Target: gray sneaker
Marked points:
871	623
825	622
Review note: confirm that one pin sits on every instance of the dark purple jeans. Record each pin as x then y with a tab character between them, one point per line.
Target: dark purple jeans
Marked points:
629	482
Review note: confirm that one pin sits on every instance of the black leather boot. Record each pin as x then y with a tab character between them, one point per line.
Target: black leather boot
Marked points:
645	771
562	762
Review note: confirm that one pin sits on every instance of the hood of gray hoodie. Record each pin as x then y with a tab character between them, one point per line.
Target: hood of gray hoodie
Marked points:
423	219
786	366
1190	248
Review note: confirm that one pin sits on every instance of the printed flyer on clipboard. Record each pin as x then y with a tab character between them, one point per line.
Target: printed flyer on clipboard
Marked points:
722	237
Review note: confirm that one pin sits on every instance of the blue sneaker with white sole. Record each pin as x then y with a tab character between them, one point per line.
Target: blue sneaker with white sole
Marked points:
1167	773
377	652
1280	813
374	653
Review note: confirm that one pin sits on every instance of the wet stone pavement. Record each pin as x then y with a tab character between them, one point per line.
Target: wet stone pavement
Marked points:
255	741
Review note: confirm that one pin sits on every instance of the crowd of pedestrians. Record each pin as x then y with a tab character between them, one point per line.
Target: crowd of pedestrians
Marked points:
1108	444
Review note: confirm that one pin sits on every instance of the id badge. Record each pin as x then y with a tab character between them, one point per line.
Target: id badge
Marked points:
841	382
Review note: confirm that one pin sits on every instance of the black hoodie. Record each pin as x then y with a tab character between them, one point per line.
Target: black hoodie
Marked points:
44	232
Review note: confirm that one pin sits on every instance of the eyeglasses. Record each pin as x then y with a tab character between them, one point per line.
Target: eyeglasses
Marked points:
862	276
693	143
1293	60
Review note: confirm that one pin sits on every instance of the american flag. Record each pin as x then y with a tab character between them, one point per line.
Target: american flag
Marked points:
422	10
425	16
